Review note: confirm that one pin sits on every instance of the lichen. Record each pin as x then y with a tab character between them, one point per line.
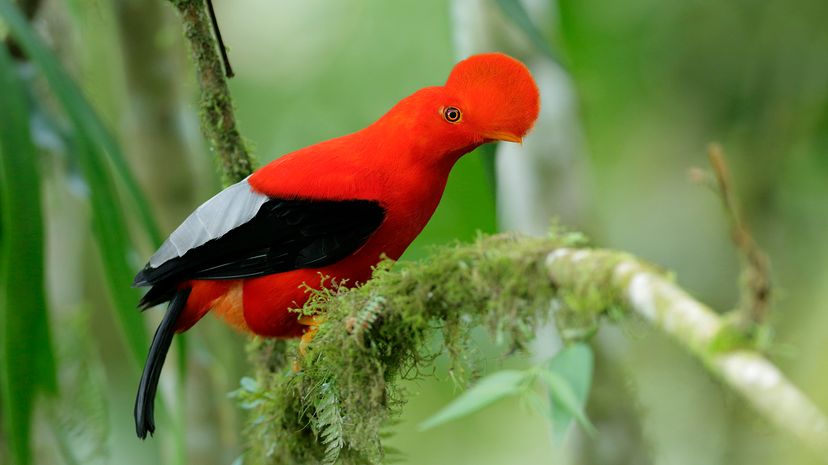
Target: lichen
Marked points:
335	407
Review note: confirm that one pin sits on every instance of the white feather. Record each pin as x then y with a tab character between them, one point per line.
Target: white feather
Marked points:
226	211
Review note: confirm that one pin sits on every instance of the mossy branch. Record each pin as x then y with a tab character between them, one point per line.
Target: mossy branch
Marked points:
719	345
218	119
335	408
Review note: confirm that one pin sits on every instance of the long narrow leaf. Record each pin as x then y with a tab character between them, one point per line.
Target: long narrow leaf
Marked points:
26	360
573	364
94	147
97	153
79	110
564	398
488	390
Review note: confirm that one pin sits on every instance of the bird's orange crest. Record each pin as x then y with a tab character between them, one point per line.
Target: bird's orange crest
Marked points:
500	94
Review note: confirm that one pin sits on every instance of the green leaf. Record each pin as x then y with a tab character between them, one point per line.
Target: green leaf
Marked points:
249	384
488	390
568	380
27	364
110	230
96	150
514	10
79	110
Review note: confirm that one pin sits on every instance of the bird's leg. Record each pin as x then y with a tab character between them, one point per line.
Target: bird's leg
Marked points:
312	322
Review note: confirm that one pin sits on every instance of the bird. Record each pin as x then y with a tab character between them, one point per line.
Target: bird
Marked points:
329	210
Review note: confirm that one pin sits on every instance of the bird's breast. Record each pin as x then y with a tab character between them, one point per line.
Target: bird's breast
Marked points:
409	204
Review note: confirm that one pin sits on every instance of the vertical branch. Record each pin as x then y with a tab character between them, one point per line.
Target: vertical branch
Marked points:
228	70
218	119
218	122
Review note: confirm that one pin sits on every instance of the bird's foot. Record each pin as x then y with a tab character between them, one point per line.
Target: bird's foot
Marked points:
312	322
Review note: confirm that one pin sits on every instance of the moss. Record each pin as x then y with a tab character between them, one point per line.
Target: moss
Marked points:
732	336
335	408
218	120
586	292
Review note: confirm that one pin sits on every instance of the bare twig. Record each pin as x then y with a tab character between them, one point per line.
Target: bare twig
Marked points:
218	118
756	293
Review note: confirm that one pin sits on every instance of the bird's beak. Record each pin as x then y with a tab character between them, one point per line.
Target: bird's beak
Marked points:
504	136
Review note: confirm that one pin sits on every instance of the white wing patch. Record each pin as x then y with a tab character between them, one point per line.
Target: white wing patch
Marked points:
226	211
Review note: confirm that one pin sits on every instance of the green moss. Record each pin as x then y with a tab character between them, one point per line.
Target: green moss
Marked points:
587	292
218	120
732	336
334	409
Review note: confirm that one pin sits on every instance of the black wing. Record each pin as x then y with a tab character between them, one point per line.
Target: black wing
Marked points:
283	235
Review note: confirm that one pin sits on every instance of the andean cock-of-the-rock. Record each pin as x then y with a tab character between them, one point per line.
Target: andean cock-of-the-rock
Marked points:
331	209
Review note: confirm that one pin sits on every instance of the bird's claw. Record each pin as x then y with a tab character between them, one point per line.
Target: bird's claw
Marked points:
312	322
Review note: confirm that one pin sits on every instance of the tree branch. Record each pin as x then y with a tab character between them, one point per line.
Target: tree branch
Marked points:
217	117
720	347
383	331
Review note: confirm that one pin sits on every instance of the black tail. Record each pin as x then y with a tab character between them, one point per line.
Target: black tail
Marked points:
145	401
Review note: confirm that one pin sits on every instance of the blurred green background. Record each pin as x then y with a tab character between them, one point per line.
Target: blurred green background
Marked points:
654	82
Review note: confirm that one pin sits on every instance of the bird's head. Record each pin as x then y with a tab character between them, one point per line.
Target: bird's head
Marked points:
491	97
488	97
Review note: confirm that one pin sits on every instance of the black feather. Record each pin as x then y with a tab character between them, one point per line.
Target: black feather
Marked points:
145	400
284	235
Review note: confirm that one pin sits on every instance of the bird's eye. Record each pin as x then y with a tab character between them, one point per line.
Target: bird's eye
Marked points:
452	114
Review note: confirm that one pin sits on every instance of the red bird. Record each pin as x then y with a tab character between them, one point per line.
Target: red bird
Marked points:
330	209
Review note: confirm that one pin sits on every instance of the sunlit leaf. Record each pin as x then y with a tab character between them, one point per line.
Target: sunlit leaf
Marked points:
488	390
27	364
514	10
568	380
